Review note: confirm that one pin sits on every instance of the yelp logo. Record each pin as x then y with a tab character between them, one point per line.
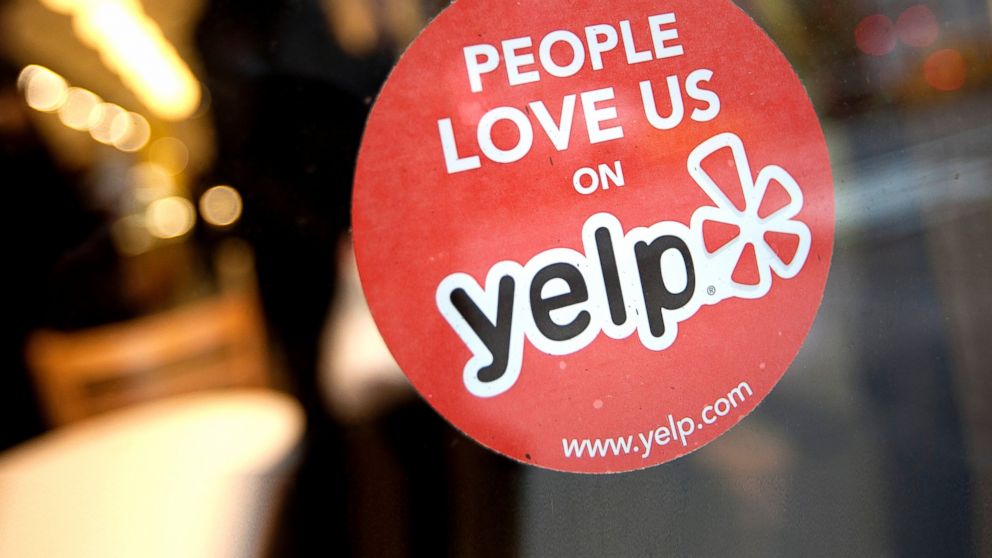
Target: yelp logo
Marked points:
646	280
753	229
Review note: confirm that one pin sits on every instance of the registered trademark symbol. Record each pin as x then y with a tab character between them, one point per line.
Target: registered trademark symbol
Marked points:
711	290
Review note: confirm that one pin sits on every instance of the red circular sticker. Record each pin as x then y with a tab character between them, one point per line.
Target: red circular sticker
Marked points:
593	234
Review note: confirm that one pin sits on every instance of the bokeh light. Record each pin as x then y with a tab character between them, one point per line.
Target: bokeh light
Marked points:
129	131
150	182
43	89
79	103
220	206
917	26
131	236
170	217
133	46
875	35
61	6
945	70
101	121
170	153
25	75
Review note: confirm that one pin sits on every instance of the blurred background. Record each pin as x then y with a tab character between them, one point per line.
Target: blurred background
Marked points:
190	368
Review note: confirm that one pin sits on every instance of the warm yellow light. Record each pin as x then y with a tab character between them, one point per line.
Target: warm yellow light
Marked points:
170	217
220	206
133	46
61	6
129	131
79	103
120	126
101	119
25	76
353	24
81	109
131	235
44	90
150	182
170	153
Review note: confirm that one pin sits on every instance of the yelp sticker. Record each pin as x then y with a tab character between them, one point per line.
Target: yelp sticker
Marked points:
593	235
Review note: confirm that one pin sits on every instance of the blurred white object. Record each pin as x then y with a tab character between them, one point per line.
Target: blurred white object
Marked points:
358	375
190	476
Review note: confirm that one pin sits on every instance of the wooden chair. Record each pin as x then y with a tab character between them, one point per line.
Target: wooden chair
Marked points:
217	342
